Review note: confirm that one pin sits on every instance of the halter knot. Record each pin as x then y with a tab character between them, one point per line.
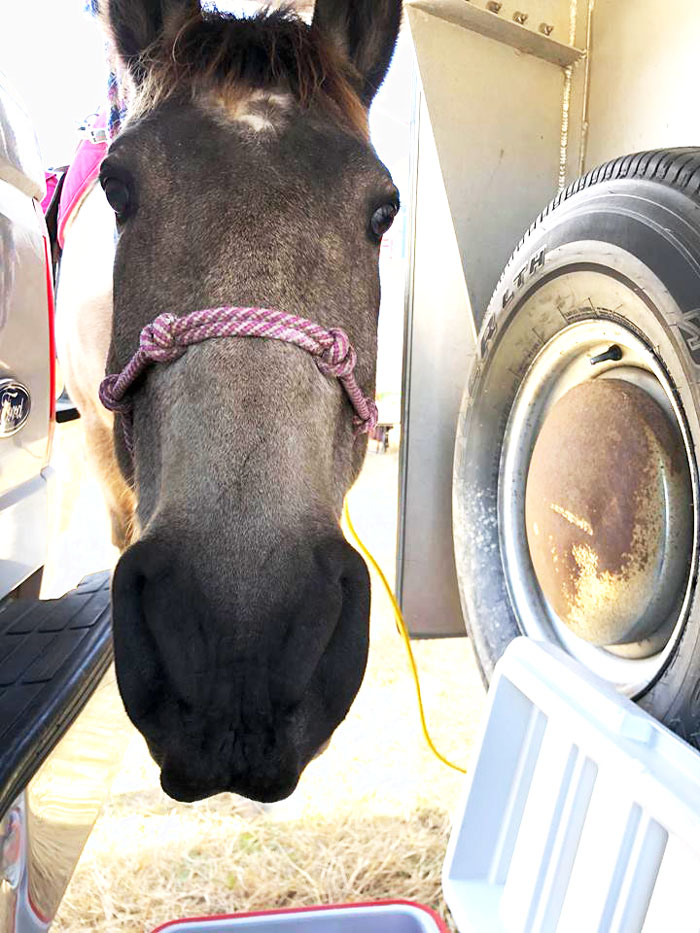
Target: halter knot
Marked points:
338	358
111	397
158	340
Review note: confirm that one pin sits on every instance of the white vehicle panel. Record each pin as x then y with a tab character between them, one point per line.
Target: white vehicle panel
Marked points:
25	345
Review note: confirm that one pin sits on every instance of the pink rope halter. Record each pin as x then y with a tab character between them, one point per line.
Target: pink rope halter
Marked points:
167	338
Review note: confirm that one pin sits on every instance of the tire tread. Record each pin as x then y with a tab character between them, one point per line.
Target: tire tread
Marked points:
676	168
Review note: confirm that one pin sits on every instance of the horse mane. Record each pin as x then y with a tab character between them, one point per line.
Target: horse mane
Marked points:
216	53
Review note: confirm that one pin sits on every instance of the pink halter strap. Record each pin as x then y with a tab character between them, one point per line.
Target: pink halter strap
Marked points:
168	336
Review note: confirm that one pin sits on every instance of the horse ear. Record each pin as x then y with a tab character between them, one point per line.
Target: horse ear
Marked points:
365	31
137	24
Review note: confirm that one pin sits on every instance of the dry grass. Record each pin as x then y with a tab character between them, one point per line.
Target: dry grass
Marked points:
370	818
217	857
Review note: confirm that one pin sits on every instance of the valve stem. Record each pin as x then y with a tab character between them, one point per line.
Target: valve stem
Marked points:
613	353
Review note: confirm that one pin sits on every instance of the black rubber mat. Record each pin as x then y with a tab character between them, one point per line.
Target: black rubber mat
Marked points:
52	656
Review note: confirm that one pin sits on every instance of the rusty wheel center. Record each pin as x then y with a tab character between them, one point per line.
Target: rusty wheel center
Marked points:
597	513
607	513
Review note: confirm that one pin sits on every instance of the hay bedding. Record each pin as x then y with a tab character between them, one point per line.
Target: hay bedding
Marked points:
216	860
369	820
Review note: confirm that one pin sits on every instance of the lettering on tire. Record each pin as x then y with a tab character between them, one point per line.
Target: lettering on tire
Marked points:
487	333
689	327
523	275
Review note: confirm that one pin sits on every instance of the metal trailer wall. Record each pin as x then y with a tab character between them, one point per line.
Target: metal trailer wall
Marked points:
511	105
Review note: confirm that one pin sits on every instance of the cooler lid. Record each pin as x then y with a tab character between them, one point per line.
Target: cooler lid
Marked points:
581	811
20	161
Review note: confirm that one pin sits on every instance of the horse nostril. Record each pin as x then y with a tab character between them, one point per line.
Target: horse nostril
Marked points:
345	567
135	652
333	590
155	651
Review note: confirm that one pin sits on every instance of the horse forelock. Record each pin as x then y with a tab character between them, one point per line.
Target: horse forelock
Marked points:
228	60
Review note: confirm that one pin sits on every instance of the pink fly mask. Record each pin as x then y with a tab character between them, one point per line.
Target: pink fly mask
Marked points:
167	338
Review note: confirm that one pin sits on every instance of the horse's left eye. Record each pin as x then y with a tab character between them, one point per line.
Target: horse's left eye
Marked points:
382	219
118	196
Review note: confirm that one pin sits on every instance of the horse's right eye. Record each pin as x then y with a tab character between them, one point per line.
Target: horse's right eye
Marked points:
382	219
118	195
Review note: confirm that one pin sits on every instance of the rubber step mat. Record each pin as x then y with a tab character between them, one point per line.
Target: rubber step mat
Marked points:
53	654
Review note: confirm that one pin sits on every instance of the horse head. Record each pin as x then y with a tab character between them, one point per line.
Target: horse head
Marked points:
244	176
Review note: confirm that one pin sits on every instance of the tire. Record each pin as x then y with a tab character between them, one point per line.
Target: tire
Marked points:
617	253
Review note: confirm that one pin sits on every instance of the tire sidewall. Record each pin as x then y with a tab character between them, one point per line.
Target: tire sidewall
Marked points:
646	237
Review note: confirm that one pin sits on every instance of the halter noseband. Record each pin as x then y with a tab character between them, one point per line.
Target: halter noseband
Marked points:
167	338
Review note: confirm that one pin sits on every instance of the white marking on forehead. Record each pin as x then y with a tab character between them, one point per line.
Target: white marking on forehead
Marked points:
256	121
254	111
263	111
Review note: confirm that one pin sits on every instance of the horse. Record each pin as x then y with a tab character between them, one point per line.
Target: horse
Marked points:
243	178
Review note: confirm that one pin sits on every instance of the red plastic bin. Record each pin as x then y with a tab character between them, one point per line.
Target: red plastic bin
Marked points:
374	917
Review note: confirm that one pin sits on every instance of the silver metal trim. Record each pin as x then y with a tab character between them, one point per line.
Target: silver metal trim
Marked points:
414	155
492	26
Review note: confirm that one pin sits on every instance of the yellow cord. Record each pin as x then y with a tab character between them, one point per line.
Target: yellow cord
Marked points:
401	626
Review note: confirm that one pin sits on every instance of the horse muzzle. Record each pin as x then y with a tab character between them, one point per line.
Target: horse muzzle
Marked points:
240	699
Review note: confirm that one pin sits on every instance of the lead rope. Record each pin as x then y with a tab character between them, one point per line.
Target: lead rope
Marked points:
403	632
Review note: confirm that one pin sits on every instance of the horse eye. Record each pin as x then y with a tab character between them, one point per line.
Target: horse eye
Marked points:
382	219
118	196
